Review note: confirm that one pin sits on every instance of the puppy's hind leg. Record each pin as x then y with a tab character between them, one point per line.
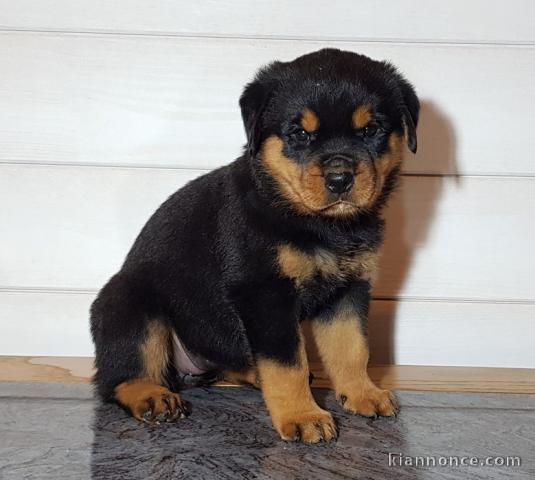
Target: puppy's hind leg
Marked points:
248	376
132	351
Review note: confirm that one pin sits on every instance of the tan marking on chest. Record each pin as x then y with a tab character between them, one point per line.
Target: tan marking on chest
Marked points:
295	264
300	266
362	265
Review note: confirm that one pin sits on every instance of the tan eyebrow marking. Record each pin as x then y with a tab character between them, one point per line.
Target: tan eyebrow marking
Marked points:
361	116
310	121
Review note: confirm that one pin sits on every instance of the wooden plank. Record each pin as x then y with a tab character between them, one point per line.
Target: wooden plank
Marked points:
407	20
397	377
84	221
164	101
45	324
46	369
466	238
446	379
452	334
446	238
403	333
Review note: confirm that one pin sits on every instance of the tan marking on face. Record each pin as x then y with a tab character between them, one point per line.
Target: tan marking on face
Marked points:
155	351
391	160
303	187
310	121
292	407
361	116
364	184
343	349
370	179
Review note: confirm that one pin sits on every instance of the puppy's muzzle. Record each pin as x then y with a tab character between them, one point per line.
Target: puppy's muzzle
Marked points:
339	174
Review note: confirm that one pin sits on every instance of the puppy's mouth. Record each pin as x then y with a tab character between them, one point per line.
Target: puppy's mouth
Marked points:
340	206
337	203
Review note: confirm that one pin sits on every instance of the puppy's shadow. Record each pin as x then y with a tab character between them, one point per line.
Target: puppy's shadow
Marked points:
409	219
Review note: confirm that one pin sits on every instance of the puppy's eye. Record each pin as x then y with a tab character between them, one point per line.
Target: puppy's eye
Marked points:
301	136
370	131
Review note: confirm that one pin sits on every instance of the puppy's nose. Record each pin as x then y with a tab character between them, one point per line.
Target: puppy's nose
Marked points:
339	182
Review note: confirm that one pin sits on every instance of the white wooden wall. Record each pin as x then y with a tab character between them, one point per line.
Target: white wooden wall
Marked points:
108	107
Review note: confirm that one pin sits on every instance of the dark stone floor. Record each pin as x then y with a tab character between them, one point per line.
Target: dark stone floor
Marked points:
60	432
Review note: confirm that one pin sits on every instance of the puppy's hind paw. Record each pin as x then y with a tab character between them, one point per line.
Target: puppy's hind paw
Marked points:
151	403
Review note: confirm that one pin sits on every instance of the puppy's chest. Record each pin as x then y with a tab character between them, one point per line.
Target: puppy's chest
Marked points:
302	267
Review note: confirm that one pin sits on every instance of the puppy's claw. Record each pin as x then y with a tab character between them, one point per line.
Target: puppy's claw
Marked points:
147	416
309	428
370	402
162	417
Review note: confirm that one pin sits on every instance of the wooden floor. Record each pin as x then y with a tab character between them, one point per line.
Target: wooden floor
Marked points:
396	377
58	431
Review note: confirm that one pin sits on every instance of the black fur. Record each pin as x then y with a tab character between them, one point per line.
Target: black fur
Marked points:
205	261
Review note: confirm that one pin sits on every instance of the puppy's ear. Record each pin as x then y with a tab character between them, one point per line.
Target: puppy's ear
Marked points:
411	111
253	102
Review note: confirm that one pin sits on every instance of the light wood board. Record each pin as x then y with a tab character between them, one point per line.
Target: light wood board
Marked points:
167	101
381	20
397	377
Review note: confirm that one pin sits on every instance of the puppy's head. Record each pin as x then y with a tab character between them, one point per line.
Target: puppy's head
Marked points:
329	130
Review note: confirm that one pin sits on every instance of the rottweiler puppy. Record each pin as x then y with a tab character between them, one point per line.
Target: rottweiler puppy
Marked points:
220	279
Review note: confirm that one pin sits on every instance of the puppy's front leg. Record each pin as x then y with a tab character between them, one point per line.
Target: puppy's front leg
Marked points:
343	348
294	412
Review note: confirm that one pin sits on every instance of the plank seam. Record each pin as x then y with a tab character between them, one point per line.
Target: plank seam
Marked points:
378	298
13	163
281	38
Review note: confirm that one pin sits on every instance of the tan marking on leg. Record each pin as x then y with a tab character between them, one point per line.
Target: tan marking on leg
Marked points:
149	402
310	121
294	412
344	352
361	116
145	397
155	350
249	376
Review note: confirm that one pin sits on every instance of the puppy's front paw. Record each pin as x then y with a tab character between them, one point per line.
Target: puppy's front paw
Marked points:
151	403
369	401
307	427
